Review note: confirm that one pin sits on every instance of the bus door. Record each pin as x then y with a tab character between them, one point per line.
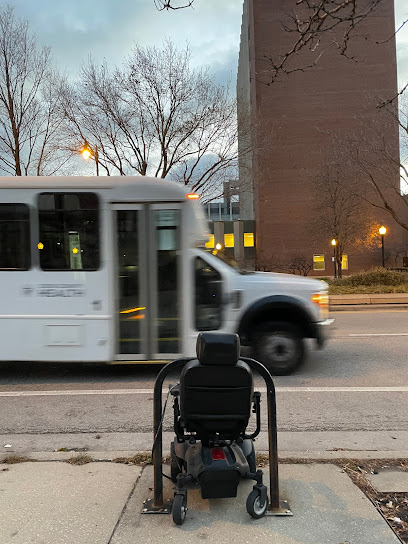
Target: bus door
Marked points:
148	281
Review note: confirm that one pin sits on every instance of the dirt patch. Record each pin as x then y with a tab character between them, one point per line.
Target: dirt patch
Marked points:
141	459
80	460
14	459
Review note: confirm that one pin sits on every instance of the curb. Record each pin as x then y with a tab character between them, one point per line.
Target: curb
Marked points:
363	307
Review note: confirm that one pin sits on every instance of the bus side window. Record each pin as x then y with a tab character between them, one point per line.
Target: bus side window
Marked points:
69	231
14	237
208	296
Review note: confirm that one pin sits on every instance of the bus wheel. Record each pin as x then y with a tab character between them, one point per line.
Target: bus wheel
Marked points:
279	346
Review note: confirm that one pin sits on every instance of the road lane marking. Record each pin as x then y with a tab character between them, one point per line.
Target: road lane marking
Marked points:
83	392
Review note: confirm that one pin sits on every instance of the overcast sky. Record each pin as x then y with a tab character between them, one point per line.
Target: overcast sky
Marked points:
106	29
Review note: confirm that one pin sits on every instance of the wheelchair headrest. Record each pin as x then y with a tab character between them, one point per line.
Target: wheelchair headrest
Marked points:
215	348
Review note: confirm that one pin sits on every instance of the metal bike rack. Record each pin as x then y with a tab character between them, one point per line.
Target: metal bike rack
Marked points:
157	505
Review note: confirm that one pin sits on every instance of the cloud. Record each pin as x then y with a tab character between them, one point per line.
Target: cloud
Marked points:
107	30
401	15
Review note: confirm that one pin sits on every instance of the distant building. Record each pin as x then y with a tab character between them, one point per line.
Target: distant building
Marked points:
291	121
229	229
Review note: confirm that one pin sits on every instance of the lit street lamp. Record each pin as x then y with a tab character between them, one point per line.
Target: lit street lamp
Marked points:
334	243
382	230
88	152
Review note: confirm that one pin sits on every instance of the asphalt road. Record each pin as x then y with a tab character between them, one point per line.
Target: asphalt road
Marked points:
356	386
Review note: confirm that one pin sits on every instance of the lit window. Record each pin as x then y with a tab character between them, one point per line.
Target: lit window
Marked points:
318	262
249	239
229	240
344	262
210	243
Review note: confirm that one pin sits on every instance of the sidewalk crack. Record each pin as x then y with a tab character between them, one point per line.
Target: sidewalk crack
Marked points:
122	513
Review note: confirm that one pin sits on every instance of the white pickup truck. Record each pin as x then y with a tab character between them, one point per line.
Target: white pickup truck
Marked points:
272	313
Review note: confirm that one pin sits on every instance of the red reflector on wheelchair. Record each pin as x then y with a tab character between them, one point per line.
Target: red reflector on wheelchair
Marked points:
218	454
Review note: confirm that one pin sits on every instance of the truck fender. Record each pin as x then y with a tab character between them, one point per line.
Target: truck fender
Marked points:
275	308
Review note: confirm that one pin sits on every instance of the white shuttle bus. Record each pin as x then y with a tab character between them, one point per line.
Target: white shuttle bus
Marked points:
109	269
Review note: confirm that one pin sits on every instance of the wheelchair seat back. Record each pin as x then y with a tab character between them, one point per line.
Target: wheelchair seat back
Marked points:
216	389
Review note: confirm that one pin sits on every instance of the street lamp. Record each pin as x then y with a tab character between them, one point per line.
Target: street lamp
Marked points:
382	230
218	248
334	244
88	152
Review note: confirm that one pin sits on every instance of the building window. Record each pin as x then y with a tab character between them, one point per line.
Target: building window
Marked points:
344	262
210	243
69	231
249	239
14	237
318	262
229	240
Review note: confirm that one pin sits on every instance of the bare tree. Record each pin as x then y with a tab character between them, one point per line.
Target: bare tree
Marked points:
381	166
157	116
30	105
167	4
316	25
340	213
292	263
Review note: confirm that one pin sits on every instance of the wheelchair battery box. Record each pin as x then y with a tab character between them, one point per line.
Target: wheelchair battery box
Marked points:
219	483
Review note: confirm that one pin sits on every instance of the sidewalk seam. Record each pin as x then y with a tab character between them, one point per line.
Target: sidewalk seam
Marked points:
122	513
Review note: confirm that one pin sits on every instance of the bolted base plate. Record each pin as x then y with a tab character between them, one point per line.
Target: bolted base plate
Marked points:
283	510
149	508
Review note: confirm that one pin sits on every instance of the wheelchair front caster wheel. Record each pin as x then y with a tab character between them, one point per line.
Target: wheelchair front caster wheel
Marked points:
179	509
253	504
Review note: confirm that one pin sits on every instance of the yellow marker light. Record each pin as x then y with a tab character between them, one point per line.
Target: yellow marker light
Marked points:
133	310
192	196
40	245
86	154
75	250
320	299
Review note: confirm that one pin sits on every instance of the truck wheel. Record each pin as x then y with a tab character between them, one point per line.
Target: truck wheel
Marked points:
279	346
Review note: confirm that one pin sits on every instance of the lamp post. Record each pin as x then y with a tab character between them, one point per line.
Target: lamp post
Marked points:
87	152
382	230
334	244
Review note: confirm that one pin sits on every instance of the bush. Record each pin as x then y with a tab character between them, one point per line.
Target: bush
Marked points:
375	276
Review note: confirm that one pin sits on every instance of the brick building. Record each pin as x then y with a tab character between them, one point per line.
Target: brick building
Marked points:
295	119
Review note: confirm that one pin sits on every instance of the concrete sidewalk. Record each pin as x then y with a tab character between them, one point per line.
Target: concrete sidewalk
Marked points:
53	502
